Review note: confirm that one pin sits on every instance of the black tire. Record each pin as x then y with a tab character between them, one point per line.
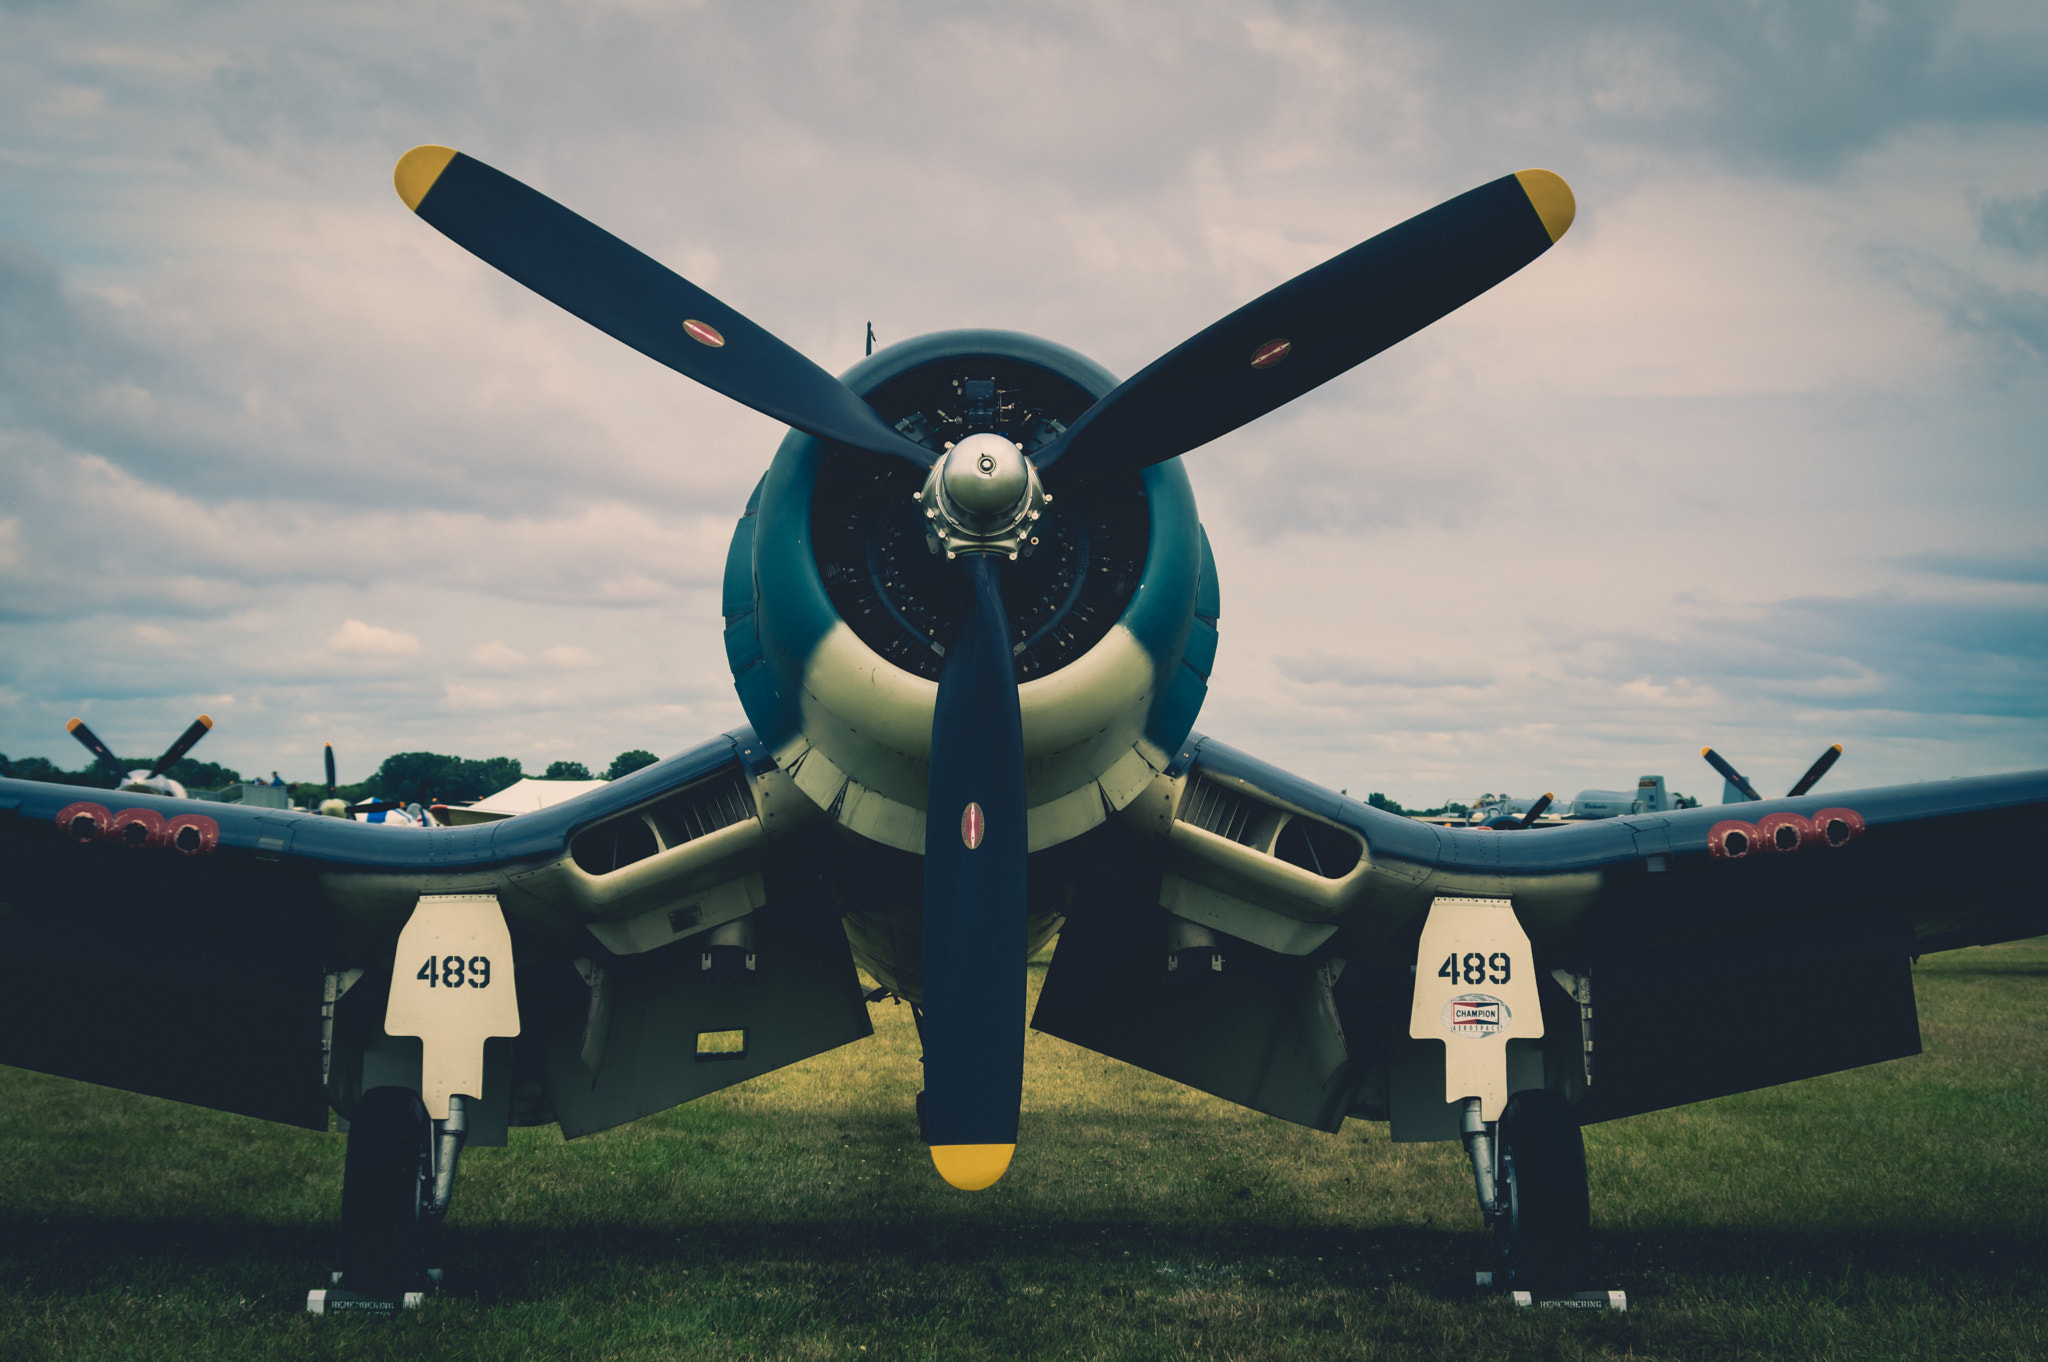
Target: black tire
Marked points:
385	1182
1541	1236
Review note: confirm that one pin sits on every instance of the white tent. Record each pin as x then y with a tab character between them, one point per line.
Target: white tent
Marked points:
524	797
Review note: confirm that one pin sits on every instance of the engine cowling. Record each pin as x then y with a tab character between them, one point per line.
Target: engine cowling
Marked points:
839	605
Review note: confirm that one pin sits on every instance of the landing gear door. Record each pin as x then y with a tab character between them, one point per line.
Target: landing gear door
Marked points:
1475	989
452	986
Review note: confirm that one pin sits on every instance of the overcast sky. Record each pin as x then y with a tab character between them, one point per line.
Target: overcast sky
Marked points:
1756	457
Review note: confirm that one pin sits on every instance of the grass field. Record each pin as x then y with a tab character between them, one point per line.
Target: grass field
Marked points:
1890	1212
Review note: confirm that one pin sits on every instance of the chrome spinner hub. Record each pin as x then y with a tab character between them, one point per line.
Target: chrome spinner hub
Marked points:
982	497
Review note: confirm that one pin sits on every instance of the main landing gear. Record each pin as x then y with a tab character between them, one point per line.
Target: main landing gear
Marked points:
396	1183
1529	1169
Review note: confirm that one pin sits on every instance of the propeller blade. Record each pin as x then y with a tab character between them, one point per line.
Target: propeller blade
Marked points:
77	729
587	271
1814	772
1319	324
199	728
974	899
330	770
1730	774
1536	810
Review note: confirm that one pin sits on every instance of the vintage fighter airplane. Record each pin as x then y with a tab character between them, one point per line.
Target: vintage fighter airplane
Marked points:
971	613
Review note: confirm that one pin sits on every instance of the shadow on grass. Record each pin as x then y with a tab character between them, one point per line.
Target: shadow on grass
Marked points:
882	1266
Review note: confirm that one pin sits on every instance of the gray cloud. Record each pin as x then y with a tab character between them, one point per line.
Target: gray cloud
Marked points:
246	398
2019	225
1877	652
1406	674
2021	565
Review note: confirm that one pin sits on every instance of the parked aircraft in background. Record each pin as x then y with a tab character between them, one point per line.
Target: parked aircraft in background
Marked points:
1498	811
1649	796
153	780
1735	789
971	613
333	806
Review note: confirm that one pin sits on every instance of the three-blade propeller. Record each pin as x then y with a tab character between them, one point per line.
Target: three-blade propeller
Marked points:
1821	766
1264	355
196	730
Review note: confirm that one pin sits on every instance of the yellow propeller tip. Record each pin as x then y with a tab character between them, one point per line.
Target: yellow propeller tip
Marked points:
971	1167
206	719
1552	199
1705	750
417	170
74	725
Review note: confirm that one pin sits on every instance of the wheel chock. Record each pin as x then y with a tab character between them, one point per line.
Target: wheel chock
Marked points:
335	1301
1616	1301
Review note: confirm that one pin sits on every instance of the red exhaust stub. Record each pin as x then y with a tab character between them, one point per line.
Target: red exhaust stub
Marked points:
1271	353
140	828
1475	1014
192	834
1731	839
973	826
85	821
1837	827
704	333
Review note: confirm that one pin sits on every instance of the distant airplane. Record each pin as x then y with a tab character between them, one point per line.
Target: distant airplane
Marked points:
153	780
1736	789
1510	815
1649	796
332	806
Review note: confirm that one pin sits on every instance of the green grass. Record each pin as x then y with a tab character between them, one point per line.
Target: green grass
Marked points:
1890	1212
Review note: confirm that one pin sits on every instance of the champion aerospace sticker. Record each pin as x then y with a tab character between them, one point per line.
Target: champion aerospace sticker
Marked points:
1475	1014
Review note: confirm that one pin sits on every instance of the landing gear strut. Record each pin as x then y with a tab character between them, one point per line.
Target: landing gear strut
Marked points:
396	1184
1530	1172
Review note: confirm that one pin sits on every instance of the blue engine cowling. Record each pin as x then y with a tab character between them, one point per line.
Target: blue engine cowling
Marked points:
838	606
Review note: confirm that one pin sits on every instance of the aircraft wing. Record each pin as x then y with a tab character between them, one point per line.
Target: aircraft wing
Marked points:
1681	955
242	958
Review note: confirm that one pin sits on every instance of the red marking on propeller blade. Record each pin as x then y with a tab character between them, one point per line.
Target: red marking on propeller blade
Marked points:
704	333
1271	353
973	825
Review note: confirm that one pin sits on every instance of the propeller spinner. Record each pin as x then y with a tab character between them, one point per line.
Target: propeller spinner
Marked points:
980	499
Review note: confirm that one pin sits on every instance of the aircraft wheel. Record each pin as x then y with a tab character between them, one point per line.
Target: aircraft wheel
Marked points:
386	1182
1542	1233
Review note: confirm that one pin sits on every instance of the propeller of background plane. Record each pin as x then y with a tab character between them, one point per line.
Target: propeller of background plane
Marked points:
1806	782
979	494
152	781
333	806
1508	822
